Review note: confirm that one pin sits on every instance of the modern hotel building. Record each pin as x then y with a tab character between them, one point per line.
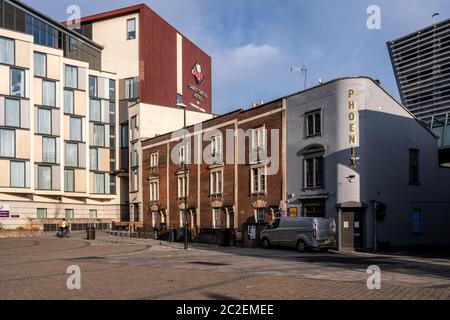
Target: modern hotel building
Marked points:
74	105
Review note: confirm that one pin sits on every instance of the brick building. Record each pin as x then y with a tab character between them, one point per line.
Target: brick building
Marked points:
233	180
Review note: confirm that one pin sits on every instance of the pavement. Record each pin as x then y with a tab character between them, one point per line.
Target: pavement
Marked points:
36	268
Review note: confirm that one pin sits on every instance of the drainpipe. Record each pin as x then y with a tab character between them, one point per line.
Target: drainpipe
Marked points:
374	208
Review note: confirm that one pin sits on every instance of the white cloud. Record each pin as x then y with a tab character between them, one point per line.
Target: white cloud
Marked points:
244	61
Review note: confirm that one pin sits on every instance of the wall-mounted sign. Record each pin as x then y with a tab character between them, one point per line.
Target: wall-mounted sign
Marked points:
352	117
4	210
293	212
251	232
197	73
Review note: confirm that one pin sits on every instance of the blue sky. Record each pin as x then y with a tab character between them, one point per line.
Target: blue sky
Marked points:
254	43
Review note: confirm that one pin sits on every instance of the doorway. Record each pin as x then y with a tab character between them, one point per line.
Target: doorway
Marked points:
351	230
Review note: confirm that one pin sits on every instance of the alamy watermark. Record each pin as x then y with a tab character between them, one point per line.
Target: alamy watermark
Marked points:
74	280
374	20
374	280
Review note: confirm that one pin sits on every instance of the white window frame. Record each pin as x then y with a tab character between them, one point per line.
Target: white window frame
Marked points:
259	188
215	212
259	138
129	37
154	160
181	185
154	190
216	146
256	215
216	182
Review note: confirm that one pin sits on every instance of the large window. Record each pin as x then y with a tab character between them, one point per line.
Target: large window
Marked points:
71	77
314	168
101	183
69	214
182	186
49	93
48	150
69	180
41	213
44	178
17	82
130	88
99	135
95	108
258	138
112	89
72	154
75	129
93	86
216	218
17	174
124	136
216	146
40	64
134	157
216	182
95	159
92	214
154	190
131	29
12	113
134	180
7	143
44	121
68	101
6	51
417	221
414	166
134	128
313	123
258	180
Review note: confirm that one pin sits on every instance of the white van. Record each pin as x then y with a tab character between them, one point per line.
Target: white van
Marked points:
300	232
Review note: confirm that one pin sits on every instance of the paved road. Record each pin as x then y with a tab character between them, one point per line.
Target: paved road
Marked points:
35	268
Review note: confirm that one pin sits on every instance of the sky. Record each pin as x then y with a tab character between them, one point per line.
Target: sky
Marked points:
254	43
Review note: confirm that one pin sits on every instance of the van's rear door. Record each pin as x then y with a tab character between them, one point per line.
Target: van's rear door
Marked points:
326	230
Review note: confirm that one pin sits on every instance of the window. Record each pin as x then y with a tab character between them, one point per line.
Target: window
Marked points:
12	113
44	121
112	89
258	138
69	180
413	166
71	77
17	82
68	102
217	218
92	214
260	215
417	222
17	174
69	214
95	112
95	159
130	88
7	143
48	150
6	51
134	128
134	180
216	146
131	29
182	184
75	129
154	191
154	160
134	158
258	180
99	183
93	86
216	182
72	154
154	218
99	135
41	213
44	178
313	123
124	136
49	93
40	64
182	154
314	169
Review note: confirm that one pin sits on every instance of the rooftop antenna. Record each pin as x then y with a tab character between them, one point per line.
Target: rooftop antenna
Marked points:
301	69
434	16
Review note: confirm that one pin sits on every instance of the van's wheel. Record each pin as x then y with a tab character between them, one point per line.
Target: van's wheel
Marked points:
301	246
266	243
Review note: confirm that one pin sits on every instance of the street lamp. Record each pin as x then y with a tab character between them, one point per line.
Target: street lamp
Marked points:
183	106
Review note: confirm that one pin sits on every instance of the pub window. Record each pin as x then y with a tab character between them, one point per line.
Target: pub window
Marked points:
260	215
216	182
154	191
314	172
258	138
258	179
313	123
216	219
154	160
182	186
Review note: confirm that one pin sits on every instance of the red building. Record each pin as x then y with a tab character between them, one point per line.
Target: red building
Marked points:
237	184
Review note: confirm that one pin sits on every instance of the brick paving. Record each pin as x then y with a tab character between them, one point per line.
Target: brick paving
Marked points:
35	268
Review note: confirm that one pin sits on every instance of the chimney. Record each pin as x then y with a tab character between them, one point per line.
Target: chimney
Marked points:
254	104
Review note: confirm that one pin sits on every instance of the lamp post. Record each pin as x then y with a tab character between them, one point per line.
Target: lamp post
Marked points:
183	106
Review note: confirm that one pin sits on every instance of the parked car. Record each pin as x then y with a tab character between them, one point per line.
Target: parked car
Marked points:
302	233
